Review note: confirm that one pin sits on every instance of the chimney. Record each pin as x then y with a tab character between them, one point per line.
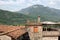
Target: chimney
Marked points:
38	19
28	21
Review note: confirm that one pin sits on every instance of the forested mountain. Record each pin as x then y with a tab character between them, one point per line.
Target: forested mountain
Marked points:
31	13
12	18
46	13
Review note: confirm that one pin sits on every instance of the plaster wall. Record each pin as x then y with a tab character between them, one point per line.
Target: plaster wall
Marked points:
50	38
4	37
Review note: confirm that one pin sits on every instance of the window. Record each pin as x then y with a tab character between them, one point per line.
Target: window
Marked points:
35	29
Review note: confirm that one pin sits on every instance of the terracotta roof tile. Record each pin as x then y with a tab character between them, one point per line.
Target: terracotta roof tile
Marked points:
14	31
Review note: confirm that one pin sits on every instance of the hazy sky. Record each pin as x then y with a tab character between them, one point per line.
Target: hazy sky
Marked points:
15	5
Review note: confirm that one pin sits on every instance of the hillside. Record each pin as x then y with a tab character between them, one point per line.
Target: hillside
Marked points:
12	18
46	13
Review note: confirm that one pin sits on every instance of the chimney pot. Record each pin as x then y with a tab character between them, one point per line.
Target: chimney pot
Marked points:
38	19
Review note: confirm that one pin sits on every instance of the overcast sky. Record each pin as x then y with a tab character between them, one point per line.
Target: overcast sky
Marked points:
15	5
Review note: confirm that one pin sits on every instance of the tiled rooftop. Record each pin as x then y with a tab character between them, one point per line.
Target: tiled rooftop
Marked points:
14	31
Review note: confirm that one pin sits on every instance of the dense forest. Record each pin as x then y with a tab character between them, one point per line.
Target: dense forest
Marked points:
12	18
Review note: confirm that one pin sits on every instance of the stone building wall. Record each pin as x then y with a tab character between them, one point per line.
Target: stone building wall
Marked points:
50	38
4	37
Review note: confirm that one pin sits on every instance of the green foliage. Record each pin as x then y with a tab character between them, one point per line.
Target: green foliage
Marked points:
12	18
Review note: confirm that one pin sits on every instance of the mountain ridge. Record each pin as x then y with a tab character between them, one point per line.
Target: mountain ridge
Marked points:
46	13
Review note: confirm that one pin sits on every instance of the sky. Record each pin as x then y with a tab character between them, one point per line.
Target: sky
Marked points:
16	5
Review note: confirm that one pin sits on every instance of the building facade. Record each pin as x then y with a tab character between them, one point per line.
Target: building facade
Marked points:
36	32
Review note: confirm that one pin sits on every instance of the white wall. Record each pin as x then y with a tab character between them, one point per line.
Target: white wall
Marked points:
50	38
4	37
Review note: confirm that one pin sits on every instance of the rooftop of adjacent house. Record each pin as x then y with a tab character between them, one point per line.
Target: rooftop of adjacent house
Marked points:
48	22
13	31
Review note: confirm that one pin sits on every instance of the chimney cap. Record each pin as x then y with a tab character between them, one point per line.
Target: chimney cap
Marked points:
38	16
